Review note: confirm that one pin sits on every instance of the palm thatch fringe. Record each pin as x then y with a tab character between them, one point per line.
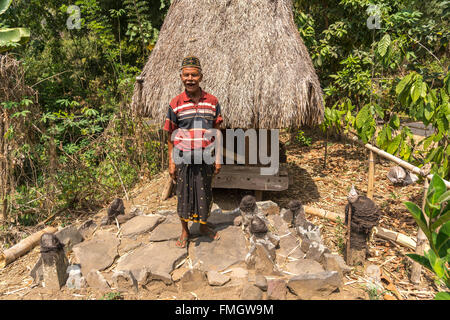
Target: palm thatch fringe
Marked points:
253	61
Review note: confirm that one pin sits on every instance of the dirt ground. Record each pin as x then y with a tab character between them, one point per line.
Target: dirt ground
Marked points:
313	185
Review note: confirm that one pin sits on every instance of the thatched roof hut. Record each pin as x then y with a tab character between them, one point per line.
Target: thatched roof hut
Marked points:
253	61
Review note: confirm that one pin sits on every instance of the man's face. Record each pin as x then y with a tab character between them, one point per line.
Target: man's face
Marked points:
191	78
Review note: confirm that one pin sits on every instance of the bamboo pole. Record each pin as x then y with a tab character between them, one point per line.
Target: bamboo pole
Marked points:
398	161
23	247
383	233
416	269
371	178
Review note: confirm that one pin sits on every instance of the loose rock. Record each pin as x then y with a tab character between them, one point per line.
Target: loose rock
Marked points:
124	281
250	292
268	207
304	266
276	289
98	253
96	280
334	262
261	282
69	237
75	280
316	285
217	279
192	280
316	252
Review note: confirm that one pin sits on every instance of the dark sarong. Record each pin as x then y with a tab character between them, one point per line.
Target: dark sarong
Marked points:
194	191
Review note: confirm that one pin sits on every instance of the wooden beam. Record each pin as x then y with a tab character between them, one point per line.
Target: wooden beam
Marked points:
23	247
383	233
371	178
398	161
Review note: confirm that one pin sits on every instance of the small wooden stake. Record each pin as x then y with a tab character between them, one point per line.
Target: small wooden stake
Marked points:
416	269
347	257
371	175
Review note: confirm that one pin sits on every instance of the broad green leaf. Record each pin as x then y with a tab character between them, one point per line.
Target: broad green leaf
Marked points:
16	35
420	259
419	217
383	45
444	197
395	121
394	144
439	187
403	83
442	296
428	112
447	83
442	242
4	5
362	116
423	93
416	90
436	263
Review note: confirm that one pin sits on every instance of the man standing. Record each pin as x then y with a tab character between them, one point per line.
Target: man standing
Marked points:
190	118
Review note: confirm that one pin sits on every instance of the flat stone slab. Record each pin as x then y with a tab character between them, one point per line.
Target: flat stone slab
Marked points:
290	247
159	258
69	236
304	266
98	253
170	229
217	279
268	207
218	217
280	226
141	224
316	285
220	254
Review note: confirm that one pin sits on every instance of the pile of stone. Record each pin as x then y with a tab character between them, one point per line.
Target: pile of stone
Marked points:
262	253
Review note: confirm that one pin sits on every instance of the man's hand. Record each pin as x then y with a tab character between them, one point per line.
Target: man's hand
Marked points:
173	171
217	169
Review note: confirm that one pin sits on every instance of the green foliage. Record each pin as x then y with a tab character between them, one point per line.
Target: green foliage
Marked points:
302	139
430	106
396	72
338	118
11	37
112	296
434	221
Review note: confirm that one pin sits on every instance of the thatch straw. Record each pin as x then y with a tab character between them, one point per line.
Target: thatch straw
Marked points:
253	61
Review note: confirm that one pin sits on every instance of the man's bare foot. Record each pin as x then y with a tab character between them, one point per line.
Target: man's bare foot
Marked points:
182	241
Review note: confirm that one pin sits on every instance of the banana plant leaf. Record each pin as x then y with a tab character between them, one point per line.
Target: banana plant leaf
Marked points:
17	35
4	5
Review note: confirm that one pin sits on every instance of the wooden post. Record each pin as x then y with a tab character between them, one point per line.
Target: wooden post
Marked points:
416	269
349	225
371	174
258	195
23	247
167	190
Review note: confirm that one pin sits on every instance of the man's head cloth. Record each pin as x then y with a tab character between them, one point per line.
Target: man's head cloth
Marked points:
191	62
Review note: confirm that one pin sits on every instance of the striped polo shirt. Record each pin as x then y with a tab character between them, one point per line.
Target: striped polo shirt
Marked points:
192	120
